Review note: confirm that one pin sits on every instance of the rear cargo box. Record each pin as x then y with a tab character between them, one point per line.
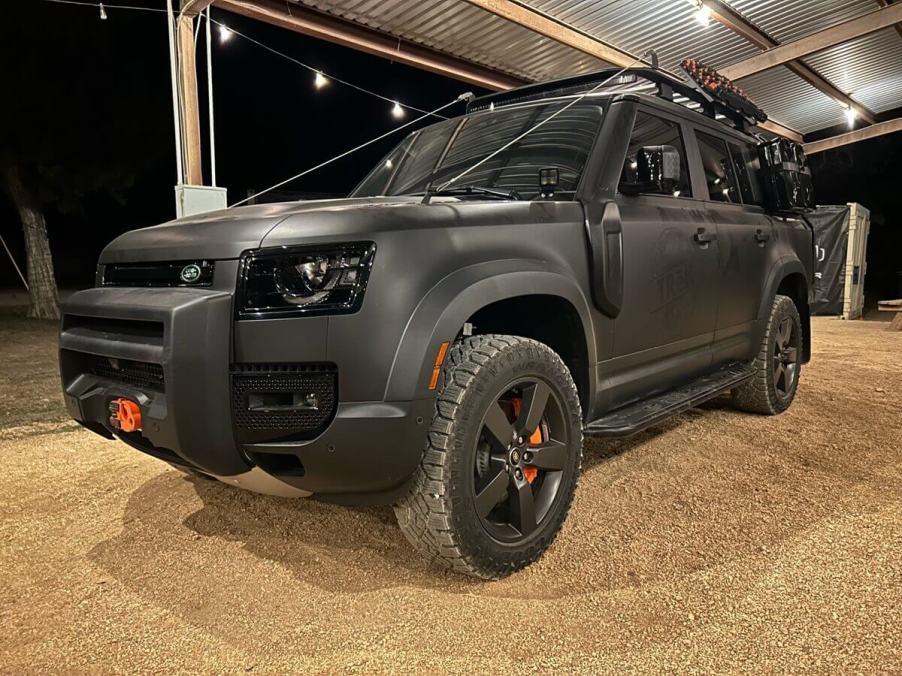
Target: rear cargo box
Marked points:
841	237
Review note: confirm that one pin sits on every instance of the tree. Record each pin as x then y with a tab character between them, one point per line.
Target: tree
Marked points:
76	87
43	296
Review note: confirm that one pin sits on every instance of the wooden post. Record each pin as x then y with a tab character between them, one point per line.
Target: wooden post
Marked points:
190	109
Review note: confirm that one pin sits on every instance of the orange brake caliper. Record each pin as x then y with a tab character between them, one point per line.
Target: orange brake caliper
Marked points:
535	439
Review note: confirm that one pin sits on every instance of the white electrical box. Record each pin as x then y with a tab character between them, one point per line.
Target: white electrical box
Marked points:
197	199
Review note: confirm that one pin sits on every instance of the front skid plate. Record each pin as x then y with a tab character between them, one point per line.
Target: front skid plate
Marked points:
258	481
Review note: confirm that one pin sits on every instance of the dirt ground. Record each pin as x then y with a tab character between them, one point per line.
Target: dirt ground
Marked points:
718	542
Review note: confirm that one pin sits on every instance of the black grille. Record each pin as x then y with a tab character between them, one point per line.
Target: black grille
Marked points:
140	374
166	273
282	401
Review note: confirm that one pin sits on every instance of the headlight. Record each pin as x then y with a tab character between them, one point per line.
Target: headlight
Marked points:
304	280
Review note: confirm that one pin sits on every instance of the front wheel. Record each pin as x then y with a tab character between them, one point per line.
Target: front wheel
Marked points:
502	458
778	364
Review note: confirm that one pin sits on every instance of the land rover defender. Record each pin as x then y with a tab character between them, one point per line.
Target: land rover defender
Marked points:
581	257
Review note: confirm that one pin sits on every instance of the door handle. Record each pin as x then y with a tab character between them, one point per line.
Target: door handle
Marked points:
703	237
761	236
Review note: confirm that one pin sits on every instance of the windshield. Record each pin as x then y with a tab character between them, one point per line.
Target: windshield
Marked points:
438	153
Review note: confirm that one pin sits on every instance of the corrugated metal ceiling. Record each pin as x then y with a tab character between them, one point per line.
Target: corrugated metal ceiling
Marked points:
457	27
869	69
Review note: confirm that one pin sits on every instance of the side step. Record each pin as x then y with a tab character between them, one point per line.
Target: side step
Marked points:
630	420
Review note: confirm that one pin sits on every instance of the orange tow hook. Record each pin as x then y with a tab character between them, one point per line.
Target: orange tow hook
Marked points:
125	415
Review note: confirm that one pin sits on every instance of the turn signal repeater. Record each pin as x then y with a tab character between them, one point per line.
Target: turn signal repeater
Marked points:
125	415
437	367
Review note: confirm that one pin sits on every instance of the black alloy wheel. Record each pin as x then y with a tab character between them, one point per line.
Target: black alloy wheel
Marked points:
786	357
521	453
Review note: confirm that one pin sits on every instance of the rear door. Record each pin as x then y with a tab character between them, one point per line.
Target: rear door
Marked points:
744	235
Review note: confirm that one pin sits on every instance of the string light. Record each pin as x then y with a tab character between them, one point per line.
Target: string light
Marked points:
851	116
226	33
703	14
320	80
389	164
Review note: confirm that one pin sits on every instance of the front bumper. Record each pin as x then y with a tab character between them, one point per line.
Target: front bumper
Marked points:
182	340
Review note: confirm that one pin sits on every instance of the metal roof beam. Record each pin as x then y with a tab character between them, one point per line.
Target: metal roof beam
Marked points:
875	130
194	7
887	3
816	42
780	130
316	24
543	24
737	23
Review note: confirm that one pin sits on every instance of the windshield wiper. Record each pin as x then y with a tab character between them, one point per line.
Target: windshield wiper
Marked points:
468	190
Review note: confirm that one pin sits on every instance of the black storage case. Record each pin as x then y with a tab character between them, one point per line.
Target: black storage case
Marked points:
786	176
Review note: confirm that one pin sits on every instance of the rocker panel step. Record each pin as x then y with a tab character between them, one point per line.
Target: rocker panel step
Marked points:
632	419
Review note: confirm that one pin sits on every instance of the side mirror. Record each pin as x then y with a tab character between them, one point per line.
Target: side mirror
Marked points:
657	170
549	178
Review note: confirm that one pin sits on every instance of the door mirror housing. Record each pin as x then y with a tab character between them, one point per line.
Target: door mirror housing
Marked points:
657	170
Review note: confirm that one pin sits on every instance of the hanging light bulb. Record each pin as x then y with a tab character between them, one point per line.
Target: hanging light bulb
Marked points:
320	80
102	12
397	111
224	33
703	14
851	115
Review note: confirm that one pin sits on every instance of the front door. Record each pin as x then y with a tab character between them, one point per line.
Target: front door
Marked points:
663	333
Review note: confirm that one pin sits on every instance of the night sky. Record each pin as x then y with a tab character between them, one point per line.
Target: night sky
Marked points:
109	81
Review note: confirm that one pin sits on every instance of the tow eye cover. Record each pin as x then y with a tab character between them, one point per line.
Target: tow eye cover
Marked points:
125	415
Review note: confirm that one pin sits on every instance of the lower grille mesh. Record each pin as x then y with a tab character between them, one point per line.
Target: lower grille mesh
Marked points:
315	383
136	373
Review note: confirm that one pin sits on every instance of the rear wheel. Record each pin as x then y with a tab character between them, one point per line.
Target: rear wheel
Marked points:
501	461
778	364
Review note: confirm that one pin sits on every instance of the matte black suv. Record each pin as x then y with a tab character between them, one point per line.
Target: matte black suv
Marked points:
445	350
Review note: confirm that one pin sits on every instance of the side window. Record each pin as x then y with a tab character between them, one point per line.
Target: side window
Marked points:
718	168
747	166
650	130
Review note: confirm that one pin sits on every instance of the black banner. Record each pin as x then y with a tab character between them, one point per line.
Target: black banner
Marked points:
831	239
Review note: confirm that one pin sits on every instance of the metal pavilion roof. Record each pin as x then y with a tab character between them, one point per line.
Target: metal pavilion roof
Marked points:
867	69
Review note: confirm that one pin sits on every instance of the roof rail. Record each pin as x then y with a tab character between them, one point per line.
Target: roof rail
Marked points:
667	86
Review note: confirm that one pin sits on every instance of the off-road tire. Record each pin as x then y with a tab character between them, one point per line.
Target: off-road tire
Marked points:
438	515
760	395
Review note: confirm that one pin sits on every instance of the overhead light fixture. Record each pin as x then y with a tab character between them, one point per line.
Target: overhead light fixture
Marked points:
397	111
389	164
102	12
703	14
851	116
224	33
320	80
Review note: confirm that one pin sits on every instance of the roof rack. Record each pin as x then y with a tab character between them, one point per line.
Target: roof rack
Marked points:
667	87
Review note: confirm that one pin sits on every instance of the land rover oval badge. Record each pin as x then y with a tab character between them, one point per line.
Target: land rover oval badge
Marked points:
190	273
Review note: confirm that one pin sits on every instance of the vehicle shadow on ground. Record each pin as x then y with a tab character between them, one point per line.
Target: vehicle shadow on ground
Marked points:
346	550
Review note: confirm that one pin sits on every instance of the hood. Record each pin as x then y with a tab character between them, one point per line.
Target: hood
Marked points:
227	233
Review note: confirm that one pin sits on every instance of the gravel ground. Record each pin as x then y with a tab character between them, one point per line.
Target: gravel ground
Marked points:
717	542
